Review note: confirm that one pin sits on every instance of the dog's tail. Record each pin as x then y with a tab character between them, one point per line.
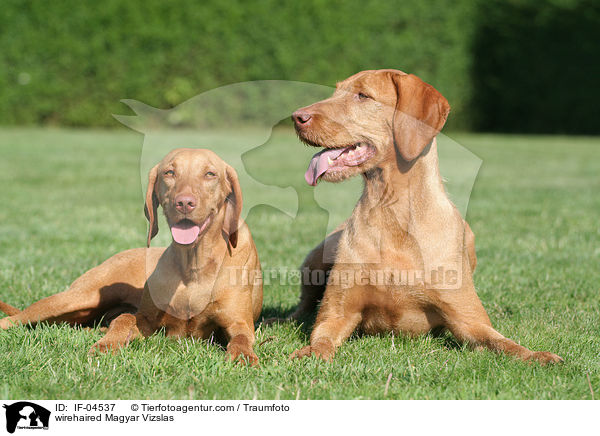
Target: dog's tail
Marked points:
8	309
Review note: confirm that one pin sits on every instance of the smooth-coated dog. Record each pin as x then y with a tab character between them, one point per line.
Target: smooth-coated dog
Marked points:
207	281
406	249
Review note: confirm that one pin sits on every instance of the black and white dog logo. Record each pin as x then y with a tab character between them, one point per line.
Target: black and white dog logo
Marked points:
26	415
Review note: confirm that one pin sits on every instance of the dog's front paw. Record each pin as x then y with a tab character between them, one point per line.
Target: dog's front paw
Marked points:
322	349
242	355
104	346
240	349
544	357
6	323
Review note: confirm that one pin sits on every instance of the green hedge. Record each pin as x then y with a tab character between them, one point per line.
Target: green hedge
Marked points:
78	58
69	62
536	66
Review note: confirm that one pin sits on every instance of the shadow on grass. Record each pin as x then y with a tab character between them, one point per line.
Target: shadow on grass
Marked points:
277	315
305	326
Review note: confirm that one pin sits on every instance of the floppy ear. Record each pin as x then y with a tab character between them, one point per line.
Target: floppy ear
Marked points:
420	114
233	207
151	204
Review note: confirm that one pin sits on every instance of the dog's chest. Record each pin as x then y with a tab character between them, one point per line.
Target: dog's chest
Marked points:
379	248
191	300
182	301
200	326
187	312
397	310
377	236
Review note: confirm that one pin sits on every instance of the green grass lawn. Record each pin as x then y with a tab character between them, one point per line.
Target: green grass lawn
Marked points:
71	199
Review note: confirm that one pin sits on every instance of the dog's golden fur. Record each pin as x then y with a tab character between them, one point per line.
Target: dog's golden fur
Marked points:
189	290
403	222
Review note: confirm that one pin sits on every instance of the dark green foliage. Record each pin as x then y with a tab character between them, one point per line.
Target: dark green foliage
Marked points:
536	66
79	59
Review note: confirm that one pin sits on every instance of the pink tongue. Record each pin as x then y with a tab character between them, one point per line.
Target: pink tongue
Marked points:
185	232
319	165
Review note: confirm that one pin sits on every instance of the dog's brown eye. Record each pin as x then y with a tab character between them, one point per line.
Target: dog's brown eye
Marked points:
363	96
169	173
210	174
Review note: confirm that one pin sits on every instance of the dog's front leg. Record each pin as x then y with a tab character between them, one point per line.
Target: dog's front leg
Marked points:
241	339
234	316
481	335
337	319
122	330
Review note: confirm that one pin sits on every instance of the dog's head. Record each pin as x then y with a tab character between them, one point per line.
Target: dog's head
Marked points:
196	190
372	117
